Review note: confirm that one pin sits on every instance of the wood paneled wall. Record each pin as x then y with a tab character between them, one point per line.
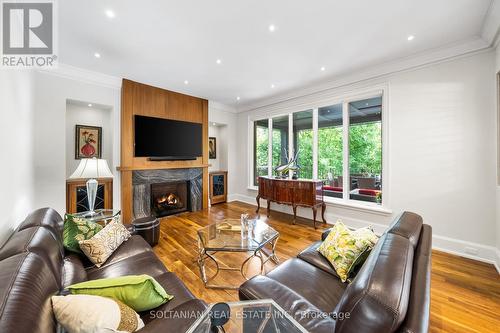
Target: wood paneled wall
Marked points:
141	99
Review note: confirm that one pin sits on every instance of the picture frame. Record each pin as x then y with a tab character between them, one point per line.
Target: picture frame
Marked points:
88	142
212	148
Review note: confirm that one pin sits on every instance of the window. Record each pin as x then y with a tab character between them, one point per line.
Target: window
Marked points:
365	149
303	142
339	143
330	148
261	154
280	142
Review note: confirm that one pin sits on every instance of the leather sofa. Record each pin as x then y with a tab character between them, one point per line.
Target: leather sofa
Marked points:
390	293
34	266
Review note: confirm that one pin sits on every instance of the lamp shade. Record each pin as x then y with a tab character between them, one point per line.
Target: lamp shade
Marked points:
92	168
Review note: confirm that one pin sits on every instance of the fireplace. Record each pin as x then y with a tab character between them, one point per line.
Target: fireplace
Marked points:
169	198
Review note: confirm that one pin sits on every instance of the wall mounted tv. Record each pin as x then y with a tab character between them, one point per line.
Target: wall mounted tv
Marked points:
167	140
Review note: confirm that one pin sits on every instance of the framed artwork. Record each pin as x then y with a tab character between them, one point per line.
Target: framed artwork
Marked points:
88	142
212	148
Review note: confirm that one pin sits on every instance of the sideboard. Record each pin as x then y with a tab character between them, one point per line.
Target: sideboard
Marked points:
300	192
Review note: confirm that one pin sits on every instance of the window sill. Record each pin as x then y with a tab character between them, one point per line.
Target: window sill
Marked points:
253	188
362	207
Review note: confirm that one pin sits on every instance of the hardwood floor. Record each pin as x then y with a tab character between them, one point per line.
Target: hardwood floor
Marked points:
465	294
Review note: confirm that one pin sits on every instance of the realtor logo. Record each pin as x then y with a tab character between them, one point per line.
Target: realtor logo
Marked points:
28	34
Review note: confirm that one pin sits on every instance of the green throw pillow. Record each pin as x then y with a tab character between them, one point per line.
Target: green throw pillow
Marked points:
345	249
140	292
77	229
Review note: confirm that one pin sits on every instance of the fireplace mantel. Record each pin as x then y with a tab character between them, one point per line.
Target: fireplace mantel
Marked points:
145	100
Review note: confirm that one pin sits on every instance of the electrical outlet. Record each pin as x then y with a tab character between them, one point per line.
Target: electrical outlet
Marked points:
471	250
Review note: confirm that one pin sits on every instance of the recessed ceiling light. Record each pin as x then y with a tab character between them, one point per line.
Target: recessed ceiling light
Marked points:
110	13
97	55
90	105
214	124
218	61
272	86
411	37
272	28
186	82
323	68
238	98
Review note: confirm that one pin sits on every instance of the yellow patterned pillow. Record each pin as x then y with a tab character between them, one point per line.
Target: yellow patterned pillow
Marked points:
343	247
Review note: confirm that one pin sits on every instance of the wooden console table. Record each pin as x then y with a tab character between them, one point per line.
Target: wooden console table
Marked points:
304	193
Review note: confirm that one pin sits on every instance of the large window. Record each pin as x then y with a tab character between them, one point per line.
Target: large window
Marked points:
330	164
339	143
261	143
303	142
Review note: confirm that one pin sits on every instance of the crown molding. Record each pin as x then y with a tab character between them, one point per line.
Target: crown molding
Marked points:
427	58
84	75
491	23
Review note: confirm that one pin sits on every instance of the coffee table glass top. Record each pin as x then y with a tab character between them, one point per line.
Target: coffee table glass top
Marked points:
264	316
227	236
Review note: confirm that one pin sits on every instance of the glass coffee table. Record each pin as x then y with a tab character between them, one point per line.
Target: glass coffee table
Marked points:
262	316
226	236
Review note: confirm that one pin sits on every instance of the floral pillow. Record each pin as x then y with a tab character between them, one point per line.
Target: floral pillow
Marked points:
76	230
344	248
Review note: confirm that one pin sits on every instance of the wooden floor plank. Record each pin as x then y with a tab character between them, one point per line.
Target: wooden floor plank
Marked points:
465	294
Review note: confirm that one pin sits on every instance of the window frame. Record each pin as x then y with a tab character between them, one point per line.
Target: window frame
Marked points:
314	103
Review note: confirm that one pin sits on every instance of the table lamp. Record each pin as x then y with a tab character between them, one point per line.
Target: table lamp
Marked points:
90	169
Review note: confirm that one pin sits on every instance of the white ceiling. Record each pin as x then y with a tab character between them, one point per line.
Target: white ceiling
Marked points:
166	42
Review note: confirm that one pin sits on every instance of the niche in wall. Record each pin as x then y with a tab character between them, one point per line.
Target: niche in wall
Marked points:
219	131
89	114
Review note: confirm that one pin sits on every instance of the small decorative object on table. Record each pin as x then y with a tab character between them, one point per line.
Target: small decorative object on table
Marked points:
291	166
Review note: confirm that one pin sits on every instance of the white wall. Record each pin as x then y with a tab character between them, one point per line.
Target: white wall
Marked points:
17	141
213	131
442	134
52	92
77	114
497	90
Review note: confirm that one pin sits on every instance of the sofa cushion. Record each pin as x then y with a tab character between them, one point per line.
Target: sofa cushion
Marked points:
144	263
319	288
377	299
35	239
307	314
175	287
72	271
47	218
312	256
407	225
25	291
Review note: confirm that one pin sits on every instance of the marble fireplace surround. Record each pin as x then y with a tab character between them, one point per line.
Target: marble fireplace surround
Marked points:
141	187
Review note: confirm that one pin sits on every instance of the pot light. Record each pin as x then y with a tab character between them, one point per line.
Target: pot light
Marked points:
90	105
272	28
272	86
214	124
323	68
411	37
238	98
218	61
97	55
186	82
109	13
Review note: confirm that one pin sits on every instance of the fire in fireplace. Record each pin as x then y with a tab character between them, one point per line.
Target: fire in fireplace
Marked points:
170	198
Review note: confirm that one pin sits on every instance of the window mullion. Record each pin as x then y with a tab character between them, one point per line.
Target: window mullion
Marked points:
270	148
291	151
345	152
315	143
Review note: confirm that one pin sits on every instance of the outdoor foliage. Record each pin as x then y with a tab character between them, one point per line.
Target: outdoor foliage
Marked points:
365	142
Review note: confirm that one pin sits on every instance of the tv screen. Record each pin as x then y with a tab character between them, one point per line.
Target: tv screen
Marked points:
167	139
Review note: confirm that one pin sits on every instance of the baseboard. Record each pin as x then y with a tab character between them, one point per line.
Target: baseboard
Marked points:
487	254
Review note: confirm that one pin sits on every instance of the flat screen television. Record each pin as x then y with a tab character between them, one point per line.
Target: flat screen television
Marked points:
165	139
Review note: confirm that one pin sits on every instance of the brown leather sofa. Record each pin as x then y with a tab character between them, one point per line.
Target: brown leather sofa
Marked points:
34	266
390	293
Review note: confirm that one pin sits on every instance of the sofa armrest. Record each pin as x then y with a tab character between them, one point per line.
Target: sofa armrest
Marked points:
325	234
